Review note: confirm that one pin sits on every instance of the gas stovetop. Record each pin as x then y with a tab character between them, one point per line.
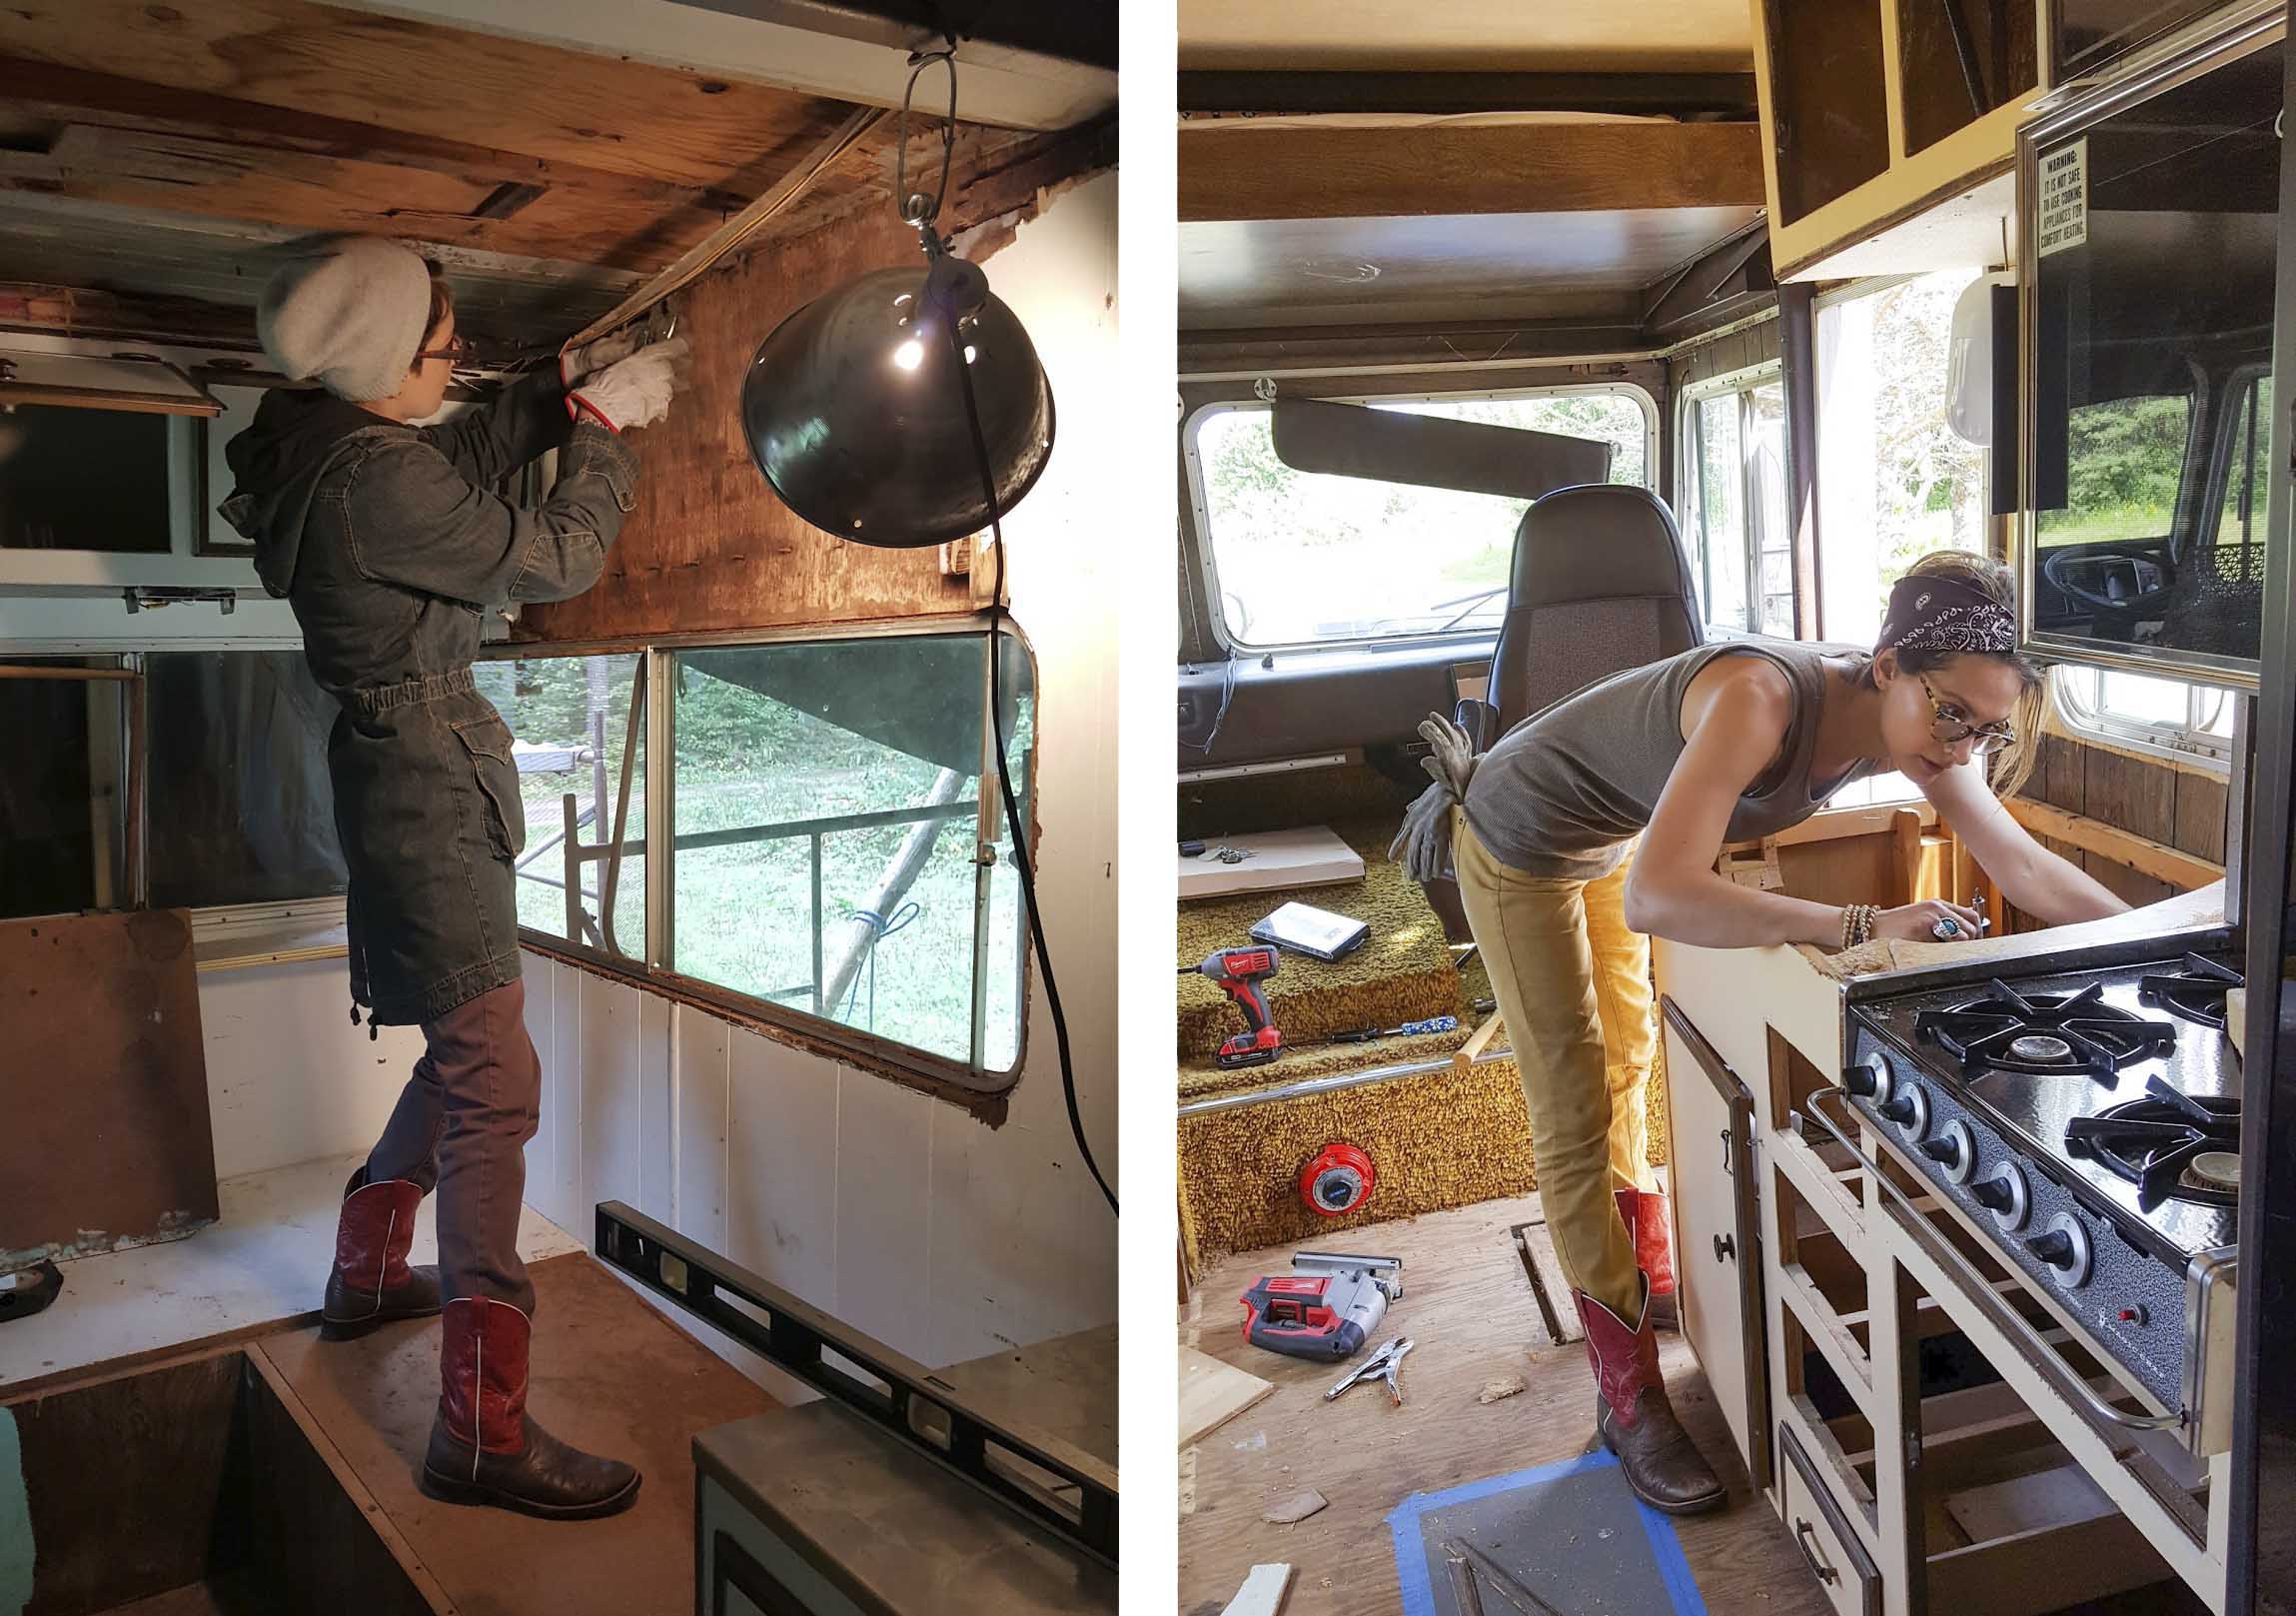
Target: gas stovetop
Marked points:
2117	1082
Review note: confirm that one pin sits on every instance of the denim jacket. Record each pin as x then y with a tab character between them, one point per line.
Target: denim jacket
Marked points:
390	543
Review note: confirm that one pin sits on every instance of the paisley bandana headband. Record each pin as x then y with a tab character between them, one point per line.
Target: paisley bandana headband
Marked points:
1941	614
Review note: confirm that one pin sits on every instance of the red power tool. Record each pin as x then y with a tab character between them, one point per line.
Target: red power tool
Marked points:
1239	971
1323	1308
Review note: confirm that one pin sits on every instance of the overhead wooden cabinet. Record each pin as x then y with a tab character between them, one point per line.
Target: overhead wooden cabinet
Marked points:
1952	79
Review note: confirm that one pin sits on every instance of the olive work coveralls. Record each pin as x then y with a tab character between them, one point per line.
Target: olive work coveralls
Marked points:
389	542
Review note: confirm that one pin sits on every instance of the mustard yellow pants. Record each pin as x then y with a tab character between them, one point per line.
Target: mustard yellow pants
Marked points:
1574	985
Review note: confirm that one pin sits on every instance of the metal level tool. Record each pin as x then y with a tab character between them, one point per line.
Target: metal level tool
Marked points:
905	1400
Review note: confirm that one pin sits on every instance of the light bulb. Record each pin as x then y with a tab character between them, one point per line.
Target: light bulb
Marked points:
910	355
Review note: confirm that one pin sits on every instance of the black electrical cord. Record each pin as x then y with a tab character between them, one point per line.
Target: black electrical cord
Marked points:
1020	854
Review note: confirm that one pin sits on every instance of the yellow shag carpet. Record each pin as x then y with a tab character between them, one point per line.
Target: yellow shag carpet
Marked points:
1438	1140
1402	973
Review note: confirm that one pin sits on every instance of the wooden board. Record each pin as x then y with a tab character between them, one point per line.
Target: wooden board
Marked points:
1468	1306
1266	168
108	1140
1212	1393
1280	861
609	1374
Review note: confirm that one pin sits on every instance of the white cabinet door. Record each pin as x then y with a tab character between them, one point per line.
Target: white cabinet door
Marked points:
1718	1255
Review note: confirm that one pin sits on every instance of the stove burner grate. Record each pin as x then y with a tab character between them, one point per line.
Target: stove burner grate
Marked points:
2158	1143
2047	1034
2196	993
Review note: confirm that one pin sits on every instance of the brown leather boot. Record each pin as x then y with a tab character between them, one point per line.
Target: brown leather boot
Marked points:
1633	1419
372	1283
487	1449
1645	1215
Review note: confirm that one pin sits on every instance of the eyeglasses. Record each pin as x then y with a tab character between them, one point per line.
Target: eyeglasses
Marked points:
457	351
1950	725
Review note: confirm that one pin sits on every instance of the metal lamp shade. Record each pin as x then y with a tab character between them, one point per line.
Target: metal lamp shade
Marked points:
855	414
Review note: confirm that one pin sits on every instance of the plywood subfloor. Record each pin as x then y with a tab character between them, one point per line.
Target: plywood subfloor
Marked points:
264	1262
1468	1308
609	1373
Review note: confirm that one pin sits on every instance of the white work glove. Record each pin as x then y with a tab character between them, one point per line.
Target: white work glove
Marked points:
633	391
578	363
1422	846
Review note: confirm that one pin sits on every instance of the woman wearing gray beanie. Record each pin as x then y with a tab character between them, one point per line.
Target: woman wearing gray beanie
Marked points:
389	541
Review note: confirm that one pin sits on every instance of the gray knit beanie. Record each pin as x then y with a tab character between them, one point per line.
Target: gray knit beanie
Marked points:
350	310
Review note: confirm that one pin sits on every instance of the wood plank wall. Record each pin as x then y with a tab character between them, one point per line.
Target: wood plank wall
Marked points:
2182	808
710	547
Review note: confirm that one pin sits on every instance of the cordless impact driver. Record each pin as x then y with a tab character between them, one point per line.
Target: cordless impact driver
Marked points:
1239	971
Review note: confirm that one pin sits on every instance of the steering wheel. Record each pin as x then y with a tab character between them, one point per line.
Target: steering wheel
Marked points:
2110	580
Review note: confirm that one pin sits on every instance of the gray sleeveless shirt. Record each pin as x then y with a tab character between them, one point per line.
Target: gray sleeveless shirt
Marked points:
1563	792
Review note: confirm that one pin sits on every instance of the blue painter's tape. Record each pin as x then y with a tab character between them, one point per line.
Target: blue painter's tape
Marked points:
1411	1567
16	1555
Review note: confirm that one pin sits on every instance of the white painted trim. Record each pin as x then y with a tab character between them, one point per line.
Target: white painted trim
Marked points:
995	84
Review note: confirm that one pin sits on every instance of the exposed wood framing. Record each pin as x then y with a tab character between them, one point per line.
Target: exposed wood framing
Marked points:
2141	853
1250	168
708	547
730	236
1720	285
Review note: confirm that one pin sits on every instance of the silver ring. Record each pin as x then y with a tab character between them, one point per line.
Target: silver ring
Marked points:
1946	929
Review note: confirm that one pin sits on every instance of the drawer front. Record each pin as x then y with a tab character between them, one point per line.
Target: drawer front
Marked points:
1843	1570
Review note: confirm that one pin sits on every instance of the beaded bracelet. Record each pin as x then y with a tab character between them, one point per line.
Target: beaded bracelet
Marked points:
1857	924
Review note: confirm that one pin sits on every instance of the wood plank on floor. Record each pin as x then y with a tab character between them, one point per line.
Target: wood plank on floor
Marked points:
1469	1309
609	1374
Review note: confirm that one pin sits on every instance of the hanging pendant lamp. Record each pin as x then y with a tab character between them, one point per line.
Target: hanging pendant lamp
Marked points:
854	410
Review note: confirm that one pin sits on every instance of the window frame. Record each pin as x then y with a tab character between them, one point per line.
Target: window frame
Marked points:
2188	743
1207	558
658	969
1689	468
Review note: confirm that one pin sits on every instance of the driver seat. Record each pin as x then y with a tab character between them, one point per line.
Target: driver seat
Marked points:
1600	584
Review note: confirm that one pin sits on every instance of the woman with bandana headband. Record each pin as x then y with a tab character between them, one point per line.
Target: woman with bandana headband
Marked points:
1596	822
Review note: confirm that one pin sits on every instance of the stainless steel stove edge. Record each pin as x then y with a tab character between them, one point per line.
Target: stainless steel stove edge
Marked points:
2211	1303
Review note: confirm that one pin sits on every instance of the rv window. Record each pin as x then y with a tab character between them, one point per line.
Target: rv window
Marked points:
1301	557
2124	462
2153	715
61	836
76	479
570	720
2240	521
1894	481
1733	501
828	820
239	806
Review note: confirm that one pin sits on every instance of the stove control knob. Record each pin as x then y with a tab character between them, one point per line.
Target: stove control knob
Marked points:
1908	1107
1953	1150
1869	1078
2007	1196
2065	1247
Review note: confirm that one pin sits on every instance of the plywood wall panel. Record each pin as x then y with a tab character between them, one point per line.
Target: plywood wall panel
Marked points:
710	545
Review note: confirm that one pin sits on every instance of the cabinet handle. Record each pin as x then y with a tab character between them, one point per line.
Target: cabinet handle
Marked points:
1805	1536
1726	1247
1729	1155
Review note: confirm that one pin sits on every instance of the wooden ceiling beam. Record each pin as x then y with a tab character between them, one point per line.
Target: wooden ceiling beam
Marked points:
1234	169
448	84
37	91
1293	92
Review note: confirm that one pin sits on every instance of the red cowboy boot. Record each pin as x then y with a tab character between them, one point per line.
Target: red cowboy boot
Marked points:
485	1448
1644	1211
1635	1421
372	1283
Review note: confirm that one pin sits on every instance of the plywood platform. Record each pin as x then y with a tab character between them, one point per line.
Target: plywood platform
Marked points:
1469	1307
262	1264
609	1374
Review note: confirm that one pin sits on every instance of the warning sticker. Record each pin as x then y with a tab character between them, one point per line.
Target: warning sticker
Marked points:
2065	201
